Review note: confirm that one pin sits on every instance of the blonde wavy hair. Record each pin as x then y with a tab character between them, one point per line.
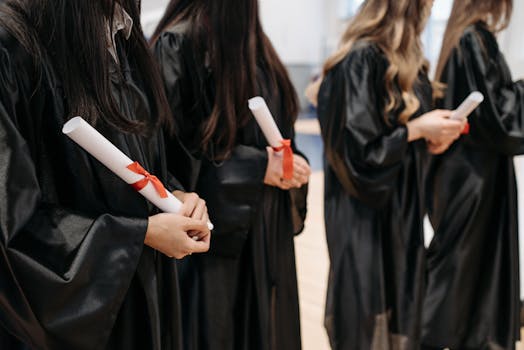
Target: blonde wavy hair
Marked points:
395	26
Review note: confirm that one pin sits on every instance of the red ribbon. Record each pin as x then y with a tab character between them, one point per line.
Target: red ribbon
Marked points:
466	129
287	162
140	185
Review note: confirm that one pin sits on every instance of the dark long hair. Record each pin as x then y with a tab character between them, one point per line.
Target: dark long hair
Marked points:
495	14
71	35
231	33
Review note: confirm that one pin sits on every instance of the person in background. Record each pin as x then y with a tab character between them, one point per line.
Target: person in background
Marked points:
377	120
214	57
473	295
84	259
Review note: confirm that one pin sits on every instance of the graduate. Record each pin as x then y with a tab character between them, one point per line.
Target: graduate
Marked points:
214	56
83	257
473	292
375	111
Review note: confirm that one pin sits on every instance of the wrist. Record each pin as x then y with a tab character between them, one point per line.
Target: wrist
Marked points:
414	131
149	232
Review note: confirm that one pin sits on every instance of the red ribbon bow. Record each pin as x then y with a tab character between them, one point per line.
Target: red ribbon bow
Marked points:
140	185
466	129
287	162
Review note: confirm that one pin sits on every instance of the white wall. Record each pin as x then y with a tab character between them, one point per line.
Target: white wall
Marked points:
297	28
512	41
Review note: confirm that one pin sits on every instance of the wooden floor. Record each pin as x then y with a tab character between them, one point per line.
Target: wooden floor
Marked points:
312	269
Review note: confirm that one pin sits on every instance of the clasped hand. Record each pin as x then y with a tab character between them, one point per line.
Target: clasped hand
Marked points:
437	129
179	235
275	173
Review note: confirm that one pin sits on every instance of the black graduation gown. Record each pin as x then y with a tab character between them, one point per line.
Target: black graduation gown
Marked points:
373	208
245	295
75	273
473	289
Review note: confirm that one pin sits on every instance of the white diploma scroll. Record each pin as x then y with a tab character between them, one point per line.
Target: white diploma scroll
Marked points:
468	106
265	120
115	160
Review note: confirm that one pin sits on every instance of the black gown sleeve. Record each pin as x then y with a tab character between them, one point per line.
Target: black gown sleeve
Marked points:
362	150
64	274
298	195
478	65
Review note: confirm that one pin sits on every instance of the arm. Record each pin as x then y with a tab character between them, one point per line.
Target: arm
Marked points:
63	270
498	123
365	154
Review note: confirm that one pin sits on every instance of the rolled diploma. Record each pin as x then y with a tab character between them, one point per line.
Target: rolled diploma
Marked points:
115	160
468	106
265	120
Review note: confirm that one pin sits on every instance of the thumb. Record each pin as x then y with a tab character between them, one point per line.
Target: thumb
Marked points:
190	224
199	246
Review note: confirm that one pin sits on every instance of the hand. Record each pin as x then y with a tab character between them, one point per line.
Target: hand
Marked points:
274	171
168	233
301	173
193	207
435	127
437	148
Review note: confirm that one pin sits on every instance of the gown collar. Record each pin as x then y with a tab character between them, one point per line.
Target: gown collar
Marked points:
122	21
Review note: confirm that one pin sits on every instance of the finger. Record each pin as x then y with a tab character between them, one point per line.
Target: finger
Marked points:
448	140
439	150
205	237
443	113
189	204
200	210
450	133
199	236
293	183
206	218
308	170
193	234
300	160
303	168
301	179
200	246
452	124
189	224
180	256
299	172
284	185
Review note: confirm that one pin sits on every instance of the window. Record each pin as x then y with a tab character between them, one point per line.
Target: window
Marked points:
435	29
347	8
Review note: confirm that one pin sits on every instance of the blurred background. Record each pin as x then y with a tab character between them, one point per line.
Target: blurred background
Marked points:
305	32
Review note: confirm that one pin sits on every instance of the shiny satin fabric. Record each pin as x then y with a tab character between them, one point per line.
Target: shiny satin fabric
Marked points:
473	265
74	272
373	208
243	294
